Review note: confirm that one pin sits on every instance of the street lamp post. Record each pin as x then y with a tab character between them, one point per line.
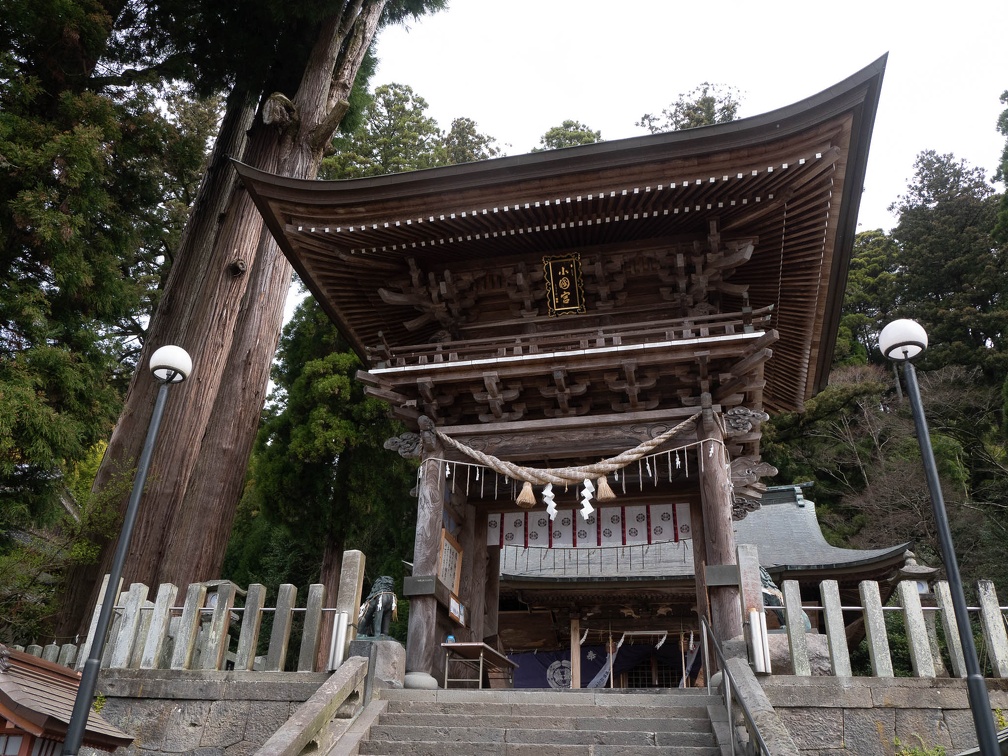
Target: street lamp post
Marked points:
902	340
169	364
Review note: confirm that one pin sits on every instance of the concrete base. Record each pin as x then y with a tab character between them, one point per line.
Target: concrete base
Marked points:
420	681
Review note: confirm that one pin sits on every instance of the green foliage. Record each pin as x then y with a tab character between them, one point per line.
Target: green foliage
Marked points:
917	750
95	180
397	135
568	134
35	551
464	144
321	480
1001	227
868	299
953	276
706	105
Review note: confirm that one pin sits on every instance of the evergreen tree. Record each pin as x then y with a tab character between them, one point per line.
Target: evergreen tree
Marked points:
706	105
568	134
396	135
289	69
952	275
96	171
321	480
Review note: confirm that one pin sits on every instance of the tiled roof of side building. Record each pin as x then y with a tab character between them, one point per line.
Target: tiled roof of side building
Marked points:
785	530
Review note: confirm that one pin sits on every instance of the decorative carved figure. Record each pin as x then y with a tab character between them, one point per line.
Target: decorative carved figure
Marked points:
740	420
407	444
745	475
379	609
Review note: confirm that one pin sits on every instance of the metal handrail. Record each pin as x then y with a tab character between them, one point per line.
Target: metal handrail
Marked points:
729	685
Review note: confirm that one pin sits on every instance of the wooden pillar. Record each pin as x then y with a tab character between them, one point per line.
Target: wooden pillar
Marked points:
575	638
491	601
422	648
699	557
472	589
716	496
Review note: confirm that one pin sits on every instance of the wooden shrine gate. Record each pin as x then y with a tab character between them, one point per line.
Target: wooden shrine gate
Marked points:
562	323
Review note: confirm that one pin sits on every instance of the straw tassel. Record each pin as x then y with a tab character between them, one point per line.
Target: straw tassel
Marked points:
603	492
526	499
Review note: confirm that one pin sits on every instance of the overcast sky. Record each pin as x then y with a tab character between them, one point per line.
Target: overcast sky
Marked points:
519	67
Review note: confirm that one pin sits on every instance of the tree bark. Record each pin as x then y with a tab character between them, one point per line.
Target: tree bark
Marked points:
229	323
193	262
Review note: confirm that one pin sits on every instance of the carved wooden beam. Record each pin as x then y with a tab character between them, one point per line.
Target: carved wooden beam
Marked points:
632	387
494	397
562	391
521	291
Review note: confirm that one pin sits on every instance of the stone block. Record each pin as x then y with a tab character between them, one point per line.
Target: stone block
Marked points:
813	728
830	692
184	726
386	662
869	732
816	648
264	719
961	729
226	724
926	724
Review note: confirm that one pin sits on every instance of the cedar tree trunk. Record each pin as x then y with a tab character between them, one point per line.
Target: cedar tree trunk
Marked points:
228	316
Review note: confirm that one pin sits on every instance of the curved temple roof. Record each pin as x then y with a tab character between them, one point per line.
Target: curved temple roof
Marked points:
789	180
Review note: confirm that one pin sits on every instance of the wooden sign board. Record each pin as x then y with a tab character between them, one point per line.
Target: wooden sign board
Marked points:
457	611
450	562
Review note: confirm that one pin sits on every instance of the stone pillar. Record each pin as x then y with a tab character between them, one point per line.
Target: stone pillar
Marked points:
716	497
422	647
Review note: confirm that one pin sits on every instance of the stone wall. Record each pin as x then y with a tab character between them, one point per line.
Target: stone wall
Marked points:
205	713
863	716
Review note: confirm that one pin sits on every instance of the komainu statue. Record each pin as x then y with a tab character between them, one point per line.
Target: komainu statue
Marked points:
379	608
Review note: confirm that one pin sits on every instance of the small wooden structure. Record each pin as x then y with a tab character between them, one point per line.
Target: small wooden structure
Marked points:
36	701
642	302
476	659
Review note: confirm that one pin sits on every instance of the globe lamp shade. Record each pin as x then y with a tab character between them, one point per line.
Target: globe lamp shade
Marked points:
903	339
171	364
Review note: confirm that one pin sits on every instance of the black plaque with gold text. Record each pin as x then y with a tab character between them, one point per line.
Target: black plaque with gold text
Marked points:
564	286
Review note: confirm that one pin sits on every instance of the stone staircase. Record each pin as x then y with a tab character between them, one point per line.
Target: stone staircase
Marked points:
539	723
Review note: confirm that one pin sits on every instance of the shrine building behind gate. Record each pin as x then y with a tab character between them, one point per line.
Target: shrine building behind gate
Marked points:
602	326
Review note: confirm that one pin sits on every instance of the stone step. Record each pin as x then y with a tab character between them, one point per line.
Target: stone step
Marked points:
437	748
473	733
546	720
660	698
586	710
462	722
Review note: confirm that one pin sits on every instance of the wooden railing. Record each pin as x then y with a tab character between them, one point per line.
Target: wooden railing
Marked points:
224	633
926	646
544	342
218	626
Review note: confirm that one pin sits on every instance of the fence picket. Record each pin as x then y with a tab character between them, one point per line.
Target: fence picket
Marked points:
917	636
993	625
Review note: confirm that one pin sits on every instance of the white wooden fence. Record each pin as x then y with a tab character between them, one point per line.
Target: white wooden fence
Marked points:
217	627
919	621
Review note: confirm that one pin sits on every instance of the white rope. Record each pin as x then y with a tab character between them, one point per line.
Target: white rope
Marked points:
558	475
